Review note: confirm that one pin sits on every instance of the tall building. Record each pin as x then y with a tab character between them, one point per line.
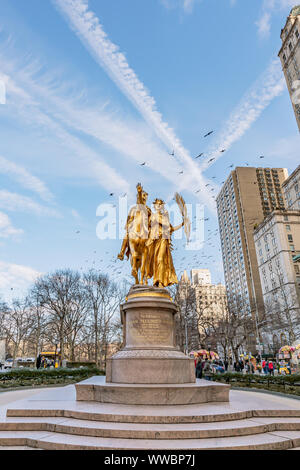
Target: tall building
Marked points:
200	276
246	198
290	57
211	299
291	189
277	242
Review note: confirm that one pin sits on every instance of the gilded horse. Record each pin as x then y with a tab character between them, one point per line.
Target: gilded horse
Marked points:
137	234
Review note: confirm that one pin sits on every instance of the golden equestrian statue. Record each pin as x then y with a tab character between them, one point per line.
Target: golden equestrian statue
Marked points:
148	240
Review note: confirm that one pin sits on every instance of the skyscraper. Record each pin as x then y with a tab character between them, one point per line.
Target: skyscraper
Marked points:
246	198
290	58
291	189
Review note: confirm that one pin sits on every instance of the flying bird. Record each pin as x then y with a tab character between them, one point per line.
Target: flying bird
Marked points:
200	155
209	133
172	154
211	160
143	164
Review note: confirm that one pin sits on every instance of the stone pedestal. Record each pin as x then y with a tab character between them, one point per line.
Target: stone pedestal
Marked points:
149	370
149	355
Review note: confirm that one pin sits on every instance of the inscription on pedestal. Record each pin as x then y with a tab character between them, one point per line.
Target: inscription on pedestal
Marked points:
150	329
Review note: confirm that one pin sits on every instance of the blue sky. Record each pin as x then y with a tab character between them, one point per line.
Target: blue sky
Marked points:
95	88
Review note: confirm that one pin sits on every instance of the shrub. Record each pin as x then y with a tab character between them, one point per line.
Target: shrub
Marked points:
282	383
31	377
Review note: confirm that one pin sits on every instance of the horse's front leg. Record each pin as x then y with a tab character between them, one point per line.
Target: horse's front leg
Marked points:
144	279
134	271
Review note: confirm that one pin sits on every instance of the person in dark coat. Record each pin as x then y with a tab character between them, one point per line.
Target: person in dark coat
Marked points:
199	369
38	361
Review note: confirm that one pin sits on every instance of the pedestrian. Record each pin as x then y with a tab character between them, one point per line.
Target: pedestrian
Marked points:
266	368
199	369
263	366
38	361
271	368
247	367
207	372
226	365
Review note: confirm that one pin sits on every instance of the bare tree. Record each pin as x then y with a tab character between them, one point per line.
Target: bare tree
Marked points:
19	324
103	297
61	296
282	306
237	329
187	320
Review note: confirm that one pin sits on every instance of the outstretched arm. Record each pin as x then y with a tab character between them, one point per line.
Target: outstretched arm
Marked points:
177	227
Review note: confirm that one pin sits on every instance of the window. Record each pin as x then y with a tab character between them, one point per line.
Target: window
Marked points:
288	228
290	238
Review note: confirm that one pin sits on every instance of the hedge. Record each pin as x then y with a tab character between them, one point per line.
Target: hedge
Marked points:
281	383
36	377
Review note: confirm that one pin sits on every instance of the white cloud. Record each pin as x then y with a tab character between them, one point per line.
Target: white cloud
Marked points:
188	5
25	178
15	279
16	202
28	106
269	8
6	228
264	24
75	214
269	85
107	54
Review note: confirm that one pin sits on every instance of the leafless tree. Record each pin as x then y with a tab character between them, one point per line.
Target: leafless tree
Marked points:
103	298
19	324
187	327
61	296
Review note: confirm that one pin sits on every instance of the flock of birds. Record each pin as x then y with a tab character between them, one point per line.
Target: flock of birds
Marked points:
206	257
120	272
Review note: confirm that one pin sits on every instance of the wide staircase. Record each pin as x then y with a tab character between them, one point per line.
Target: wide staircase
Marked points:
49	423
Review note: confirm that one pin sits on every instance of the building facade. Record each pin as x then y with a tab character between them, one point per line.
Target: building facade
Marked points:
277	242
291	189
210	299
200	276
290	58
247	197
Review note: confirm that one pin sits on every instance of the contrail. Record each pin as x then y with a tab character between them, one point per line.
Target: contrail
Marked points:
87	26
268	86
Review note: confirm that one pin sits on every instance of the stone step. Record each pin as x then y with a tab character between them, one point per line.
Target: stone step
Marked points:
142	414
17	448
52	441
152	431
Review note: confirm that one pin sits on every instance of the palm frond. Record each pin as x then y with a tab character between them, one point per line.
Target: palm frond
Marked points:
182	207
